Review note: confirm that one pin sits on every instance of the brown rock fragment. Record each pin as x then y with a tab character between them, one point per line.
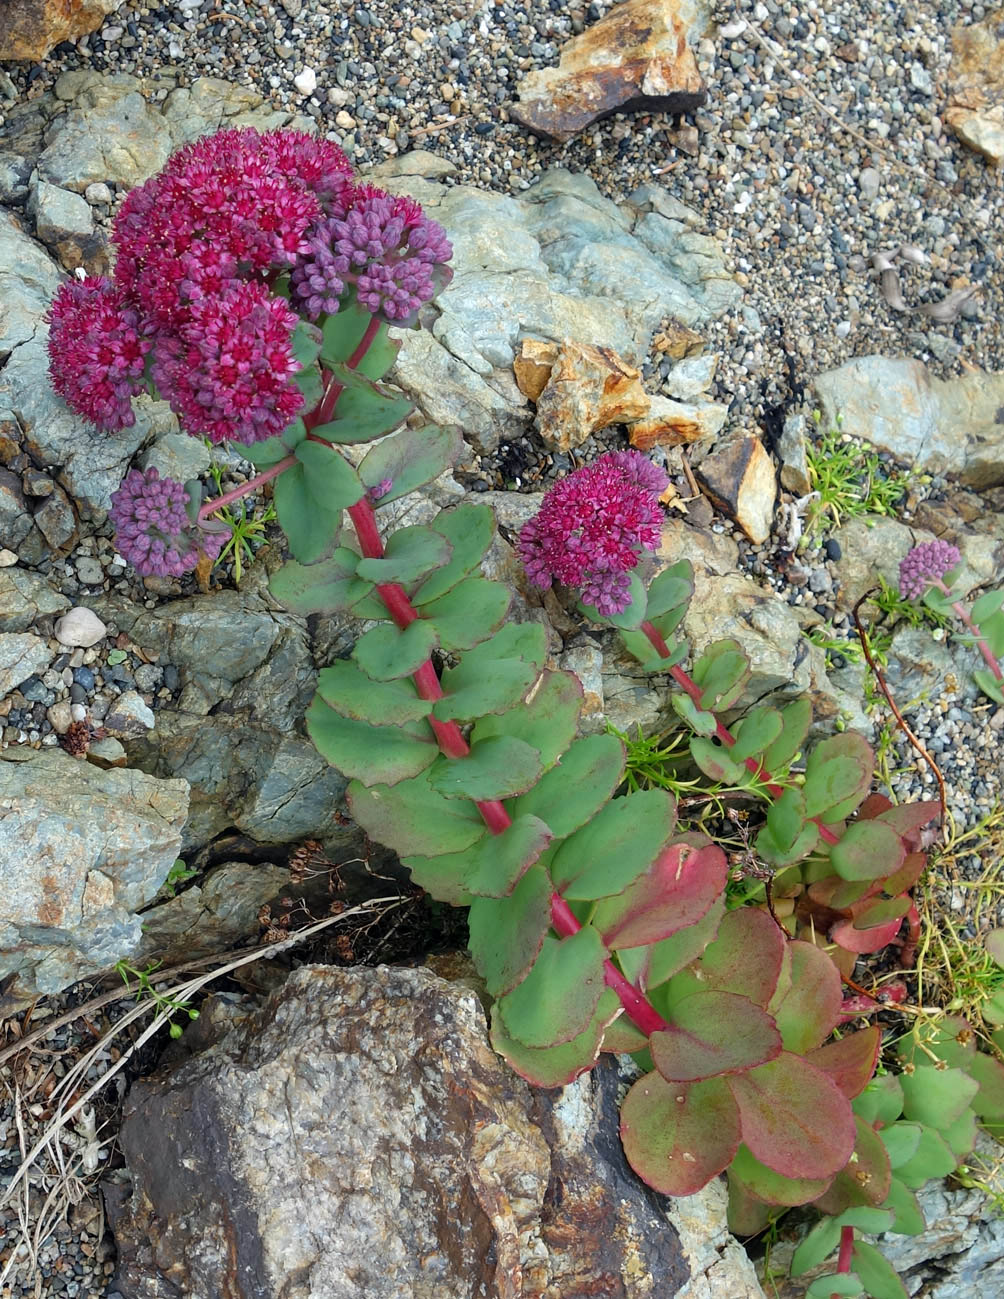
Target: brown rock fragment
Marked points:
975	109
30	28
589	388
533	365
637	57
677	341
739	478
675	423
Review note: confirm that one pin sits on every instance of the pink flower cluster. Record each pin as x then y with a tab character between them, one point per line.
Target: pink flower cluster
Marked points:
592	526
924	565
152	528
385	246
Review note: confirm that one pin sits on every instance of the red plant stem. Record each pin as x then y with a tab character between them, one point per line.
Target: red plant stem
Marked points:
846	1248
266	476
964	615
687	683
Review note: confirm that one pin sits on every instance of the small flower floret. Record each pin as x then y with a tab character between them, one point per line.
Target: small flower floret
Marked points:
592	526
926	565
152	529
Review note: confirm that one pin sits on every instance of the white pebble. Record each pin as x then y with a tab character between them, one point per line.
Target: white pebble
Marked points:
80	626
733	29
7	558
78	712
306	81
98	192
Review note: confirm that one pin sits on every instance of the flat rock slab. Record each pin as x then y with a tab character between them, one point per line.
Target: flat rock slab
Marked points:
357	1136
975	109
637	57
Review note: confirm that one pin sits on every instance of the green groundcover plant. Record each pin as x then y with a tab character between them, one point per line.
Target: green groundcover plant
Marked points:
254	287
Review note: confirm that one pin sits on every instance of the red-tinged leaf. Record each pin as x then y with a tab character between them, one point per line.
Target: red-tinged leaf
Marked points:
671	955
907	818
556	1066
624	1038
676	891
617	846
714	1033
746	956
869	913
770	1186
873	806
866	1177
498	862
557	998
868	850
747	1216
809	1007
862	941
914	865
850	1061
506	934
794	1118
678	1136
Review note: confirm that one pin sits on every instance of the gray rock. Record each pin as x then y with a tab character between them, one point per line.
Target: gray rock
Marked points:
794	461
692	376
15	521
81	850
206	106
129	716
390	1069
120	140
937	426
25	596
14	174
21	656
177	455
58	213
29	279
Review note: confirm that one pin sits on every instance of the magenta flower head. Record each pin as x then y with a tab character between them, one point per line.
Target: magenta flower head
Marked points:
228	369
925	565
152	528
97	351
384	246
592	527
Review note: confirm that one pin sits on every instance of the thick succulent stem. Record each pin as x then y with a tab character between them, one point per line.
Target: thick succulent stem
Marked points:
844	1258
966	619
688	684
210	507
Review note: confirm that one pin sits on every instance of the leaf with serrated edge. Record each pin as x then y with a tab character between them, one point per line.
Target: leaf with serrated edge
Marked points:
816	1248
671	955
671	589
746	955
714	1033
808	1009
331	482
678	1136
756	732
881	1101
499	861
490	692
469	530
937	1097
372	754
469	613
506	934
493	769
676	891
410	554
546	719
444	877
866	1177
868	850
617	846
385	653
347	689
849	1061
838	775
556	1066
877	1274
329	586
558	997
909	1217
934	1157
311	530
794	1118
410	459
797	717
412	818
571	793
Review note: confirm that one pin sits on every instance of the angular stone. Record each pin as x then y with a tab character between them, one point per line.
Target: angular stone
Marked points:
58	213
81	850
21	656
120	143
177	455
589	388
636	57
15	521
31	28
25	596
533	364
672	423
15	172
739	478
677	341
56	520
792	454
391	1068
129	716
975	109
29	279
691	377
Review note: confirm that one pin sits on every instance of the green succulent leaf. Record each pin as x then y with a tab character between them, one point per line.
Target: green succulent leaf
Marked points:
909	1217
410	554
794	1118
989	684
615	847
410	459
901	1141
845	1284
557	999
412	817
878	1276
363	410
269	451
808	1007
961	1135
386	653
881	1101
342	334
747	1216
311	529
671	590
328	586
468	614
471	693
715	761
721	672
662	960
746	957
331	482
796	718
469	530
933	1157
571	793
506	934
352	693
444	877
868	850
546	719
817	1246
639	645
305	342
498	862
865	1179
759	1180
714	1033
937	1097
496	768
838	775
630	617
788	836
309	381
372	754
676	891
678	1136
556	1066
757	731
700	723
986	606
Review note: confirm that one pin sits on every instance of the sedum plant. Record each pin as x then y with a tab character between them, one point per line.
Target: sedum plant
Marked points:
254	289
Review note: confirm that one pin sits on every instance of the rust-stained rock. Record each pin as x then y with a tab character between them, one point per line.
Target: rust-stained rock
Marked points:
675	423
975	109
637	57
589	388
533	364
739	478
357	1138
677	340
30	28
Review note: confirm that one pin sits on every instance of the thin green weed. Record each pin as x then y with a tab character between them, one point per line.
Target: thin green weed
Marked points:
850	480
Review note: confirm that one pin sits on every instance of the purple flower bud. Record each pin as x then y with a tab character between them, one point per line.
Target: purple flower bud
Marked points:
152	529
924	565
592	526
381	489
